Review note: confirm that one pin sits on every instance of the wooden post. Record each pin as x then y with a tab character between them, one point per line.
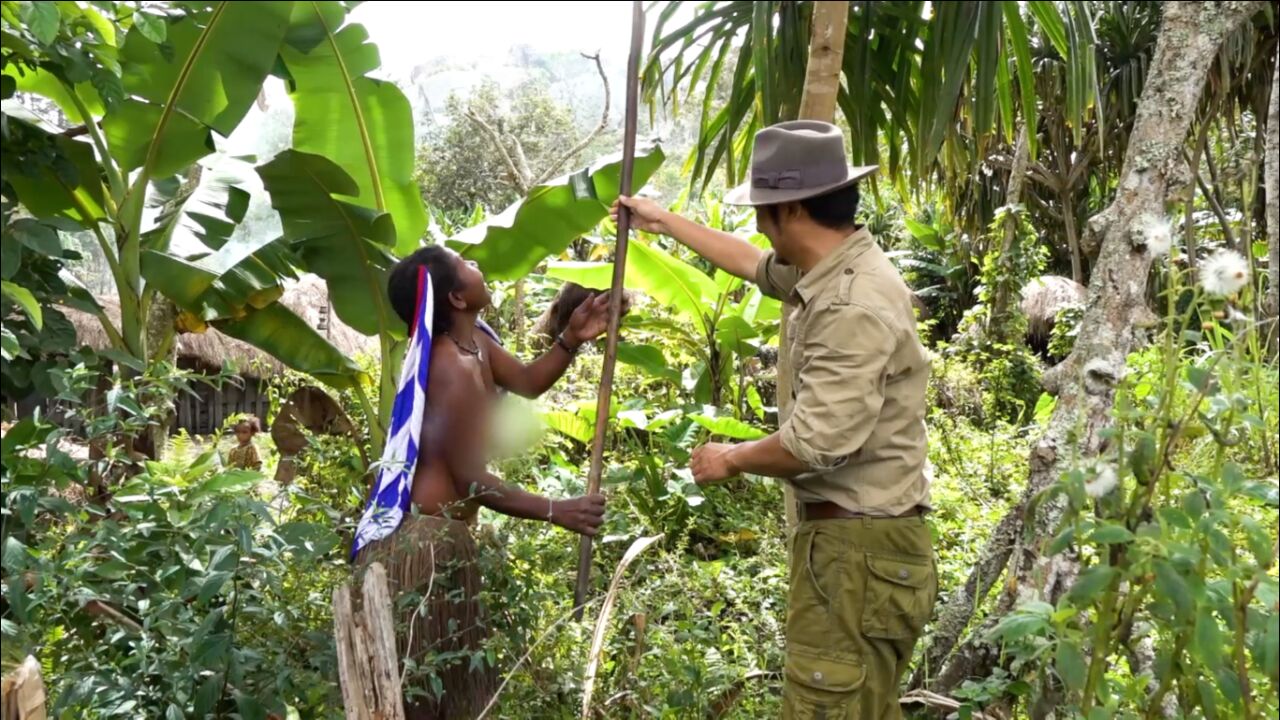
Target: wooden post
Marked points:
367	662
605	394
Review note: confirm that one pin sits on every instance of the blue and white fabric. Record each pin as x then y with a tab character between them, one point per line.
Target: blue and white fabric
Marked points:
391	495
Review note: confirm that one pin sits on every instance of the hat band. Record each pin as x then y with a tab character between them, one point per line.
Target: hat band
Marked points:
798	179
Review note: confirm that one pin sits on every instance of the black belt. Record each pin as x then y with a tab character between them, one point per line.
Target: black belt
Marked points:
831	511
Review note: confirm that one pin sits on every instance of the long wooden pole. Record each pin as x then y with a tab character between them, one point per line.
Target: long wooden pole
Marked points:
615	296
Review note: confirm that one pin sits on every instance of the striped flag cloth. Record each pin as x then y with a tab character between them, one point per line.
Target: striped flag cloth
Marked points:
390	501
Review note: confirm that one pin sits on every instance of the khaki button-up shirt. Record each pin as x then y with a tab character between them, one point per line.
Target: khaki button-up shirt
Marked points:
859	372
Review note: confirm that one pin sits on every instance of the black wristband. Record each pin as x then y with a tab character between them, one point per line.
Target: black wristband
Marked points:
565	345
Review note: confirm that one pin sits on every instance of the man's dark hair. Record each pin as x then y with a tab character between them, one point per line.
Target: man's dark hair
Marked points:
402	285
836	210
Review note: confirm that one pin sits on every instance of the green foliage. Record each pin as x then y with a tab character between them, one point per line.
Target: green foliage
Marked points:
346	244
459	168
176	588
935	258
200	77
992	340
360	124
162	84
1066	325
168	594
554	214
979	470
35	334
715	319
236	273
925	69
1176	527
166	599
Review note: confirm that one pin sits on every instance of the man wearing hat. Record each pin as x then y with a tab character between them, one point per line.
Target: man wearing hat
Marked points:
852	437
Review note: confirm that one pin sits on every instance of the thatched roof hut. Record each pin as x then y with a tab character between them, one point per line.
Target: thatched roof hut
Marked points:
1043	298
309	298
207	408
211	349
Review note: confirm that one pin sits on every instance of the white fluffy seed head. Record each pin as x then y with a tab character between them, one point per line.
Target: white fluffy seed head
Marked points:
1224	273
1103	483
1158	233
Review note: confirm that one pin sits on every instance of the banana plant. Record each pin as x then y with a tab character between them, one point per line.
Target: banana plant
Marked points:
510	244
151	92
161	87
362	125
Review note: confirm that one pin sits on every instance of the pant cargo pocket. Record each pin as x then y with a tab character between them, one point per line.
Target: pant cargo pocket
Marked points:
821	685
899	597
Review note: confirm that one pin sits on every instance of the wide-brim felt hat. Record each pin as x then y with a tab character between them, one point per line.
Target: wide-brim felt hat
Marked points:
794	161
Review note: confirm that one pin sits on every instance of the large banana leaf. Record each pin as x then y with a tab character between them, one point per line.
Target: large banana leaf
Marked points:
554	214
346	244
362	124
673	282
234	274
276	330
648	358
756	308
670	281
203	78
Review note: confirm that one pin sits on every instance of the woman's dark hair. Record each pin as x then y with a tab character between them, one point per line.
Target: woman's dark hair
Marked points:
402	284
837	210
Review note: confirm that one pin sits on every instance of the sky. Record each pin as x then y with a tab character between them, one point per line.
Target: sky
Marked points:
476	35
411	33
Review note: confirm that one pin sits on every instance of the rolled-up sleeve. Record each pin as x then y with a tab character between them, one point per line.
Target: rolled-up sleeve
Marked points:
775	279
840	388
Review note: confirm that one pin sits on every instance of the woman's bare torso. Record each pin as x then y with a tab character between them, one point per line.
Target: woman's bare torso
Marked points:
435	490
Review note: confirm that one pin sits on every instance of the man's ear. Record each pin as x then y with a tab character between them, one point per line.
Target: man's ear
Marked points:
792	211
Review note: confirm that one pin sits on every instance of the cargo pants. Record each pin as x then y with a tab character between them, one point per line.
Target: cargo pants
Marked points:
861	592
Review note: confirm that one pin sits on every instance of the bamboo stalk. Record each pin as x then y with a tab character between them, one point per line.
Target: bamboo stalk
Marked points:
615	295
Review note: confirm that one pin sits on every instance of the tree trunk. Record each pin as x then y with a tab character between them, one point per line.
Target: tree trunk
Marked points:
1271	170
826	57
1116	316
997	324
1073	236
517	314
1188	221
817	102
159	328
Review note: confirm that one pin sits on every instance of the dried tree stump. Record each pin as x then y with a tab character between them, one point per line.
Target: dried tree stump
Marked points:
367	663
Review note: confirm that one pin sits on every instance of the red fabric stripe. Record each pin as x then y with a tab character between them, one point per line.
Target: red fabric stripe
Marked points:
421	297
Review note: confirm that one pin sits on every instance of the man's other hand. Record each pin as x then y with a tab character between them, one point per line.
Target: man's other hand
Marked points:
713	463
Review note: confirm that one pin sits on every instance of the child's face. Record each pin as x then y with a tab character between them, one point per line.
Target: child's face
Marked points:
244	434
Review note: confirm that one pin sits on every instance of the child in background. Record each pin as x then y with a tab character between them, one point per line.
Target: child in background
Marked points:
244	455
